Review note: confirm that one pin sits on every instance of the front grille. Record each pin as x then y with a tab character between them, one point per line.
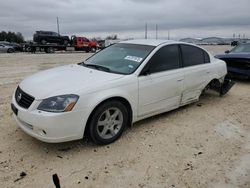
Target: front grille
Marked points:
23	99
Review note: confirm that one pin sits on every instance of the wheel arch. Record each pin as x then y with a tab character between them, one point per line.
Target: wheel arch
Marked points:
214	84
215	80
117	98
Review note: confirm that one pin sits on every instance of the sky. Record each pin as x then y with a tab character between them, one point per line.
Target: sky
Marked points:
127	18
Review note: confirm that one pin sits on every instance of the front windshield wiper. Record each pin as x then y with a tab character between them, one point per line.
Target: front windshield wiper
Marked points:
98	67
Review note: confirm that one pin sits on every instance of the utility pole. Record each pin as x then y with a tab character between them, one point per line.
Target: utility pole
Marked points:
146	30
156	31
168	34
57	20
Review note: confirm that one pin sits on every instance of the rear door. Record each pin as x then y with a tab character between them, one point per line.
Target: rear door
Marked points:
160	82
196	70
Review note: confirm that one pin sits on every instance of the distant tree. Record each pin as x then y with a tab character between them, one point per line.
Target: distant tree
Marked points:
20	37
11	37
112	37
3	36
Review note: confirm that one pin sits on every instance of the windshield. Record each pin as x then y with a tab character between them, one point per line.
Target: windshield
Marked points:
242	48
119	58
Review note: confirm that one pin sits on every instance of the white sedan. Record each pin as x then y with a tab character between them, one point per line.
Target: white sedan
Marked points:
114	88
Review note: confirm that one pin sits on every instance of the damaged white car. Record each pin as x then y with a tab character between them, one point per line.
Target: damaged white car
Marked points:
114	88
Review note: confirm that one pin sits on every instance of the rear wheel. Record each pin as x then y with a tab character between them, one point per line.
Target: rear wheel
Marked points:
108	122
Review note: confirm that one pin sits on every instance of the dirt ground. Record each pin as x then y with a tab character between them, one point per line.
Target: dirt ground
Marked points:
205	144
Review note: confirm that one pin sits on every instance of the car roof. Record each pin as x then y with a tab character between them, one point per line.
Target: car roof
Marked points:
150	42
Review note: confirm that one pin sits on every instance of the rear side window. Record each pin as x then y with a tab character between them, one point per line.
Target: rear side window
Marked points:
192	55
166	58
206	57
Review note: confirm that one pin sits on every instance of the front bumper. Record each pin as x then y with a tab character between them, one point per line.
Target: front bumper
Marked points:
50	127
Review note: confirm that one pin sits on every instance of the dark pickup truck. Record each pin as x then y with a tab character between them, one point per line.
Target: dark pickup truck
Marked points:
44	37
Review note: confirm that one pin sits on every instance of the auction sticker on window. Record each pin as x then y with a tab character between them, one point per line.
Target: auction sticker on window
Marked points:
133	58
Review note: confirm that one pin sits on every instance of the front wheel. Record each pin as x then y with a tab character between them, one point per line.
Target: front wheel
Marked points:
10	50
65	42
108	122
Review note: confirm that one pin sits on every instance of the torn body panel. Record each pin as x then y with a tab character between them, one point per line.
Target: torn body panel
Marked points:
221	87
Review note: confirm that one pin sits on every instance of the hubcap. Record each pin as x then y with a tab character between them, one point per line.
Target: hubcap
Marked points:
109	123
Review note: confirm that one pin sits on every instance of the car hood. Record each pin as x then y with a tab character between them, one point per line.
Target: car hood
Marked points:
67	79
234	55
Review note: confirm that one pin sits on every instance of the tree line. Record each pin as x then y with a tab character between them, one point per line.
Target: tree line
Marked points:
11	37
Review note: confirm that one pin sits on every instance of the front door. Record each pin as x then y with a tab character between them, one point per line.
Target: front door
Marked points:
160	83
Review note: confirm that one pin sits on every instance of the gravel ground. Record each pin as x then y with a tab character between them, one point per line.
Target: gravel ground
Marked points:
205	144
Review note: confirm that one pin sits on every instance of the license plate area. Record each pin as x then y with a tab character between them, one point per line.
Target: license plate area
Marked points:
14	109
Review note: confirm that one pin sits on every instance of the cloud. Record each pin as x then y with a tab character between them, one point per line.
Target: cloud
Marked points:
123	16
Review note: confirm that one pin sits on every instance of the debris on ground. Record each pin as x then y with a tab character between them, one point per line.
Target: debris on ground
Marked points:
56	180
22	175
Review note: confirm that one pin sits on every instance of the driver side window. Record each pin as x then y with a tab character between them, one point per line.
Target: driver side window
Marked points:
166	58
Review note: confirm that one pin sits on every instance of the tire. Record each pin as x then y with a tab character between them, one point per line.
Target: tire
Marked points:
10	50
93	49
43	41
65	42
108	122
28	49
50	50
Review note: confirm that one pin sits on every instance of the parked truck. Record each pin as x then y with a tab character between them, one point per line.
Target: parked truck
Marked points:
49	41
82	43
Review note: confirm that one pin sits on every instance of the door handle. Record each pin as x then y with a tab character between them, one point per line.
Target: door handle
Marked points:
179	80
208	72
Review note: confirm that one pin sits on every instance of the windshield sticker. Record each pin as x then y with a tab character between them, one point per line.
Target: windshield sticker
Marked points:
133	58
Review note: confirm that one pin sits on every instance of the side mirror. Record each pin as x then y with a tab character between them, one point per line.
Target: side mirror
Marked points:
227	51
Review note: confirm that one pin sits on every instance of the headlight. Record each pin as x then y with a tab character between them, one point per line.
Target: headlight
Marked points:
62	103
